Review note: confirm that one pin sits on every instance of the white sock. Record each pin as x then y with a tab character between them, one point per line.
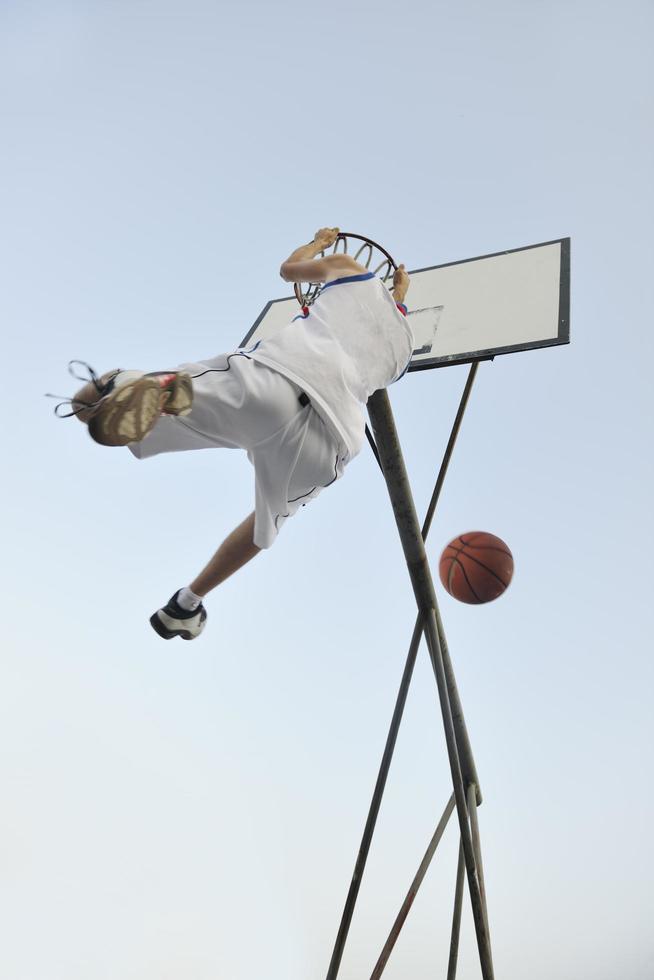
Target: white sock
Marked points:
188	600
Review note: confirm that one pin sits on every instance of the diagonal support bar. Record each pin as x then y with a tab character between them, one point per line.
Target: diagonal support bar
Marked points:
476	844
406	519
375	804
456	916
412	892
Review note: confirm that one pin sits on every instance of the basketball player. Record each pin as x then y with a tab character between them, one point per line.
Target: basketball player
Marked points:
294	403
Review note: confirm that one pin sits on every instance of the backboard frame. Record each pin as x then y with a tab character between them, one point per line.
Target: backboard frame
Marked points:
563	336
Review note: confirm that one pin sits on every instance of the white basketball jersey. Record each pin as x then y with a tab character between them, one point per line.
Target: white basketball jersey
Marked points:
352	341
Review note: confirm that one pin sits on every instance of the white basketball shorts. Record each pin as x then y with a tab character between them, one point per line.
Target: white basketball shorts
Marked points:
238	403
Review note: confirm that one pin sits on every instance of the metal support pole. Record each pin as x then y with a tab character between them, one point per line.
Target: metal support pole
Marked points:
413	891
471	774
406	519
463	404
456	916
463	741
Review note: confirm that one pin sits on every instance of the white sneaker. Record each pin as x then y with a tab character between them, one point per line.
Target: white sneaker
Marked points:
172	620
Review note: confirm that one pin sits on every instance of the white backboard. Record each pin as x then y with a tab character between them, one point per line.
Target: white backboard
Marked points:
474	309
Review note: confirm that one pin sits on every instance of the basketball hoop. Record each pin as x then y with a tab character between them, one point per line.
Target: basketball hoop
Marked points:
383	264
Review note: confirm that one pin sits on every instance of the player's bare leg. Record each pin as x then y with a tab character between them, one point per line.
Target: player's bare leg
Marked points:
184	615
237	550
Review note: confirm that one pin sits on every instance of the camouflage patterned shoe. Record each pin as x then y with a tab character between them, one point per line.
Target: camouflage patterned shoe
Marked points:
178	387
129	410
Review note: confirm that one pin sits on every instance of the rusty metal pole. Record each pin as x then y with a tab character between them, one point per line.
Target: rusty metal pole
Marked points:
463	741
406	519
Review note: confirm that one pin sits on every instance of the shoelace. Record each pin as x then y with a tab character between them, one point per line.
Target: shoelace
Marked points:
102	390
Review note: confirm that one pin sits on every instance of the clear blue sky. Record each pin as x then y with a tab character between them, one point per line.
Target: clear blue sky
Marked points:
193	810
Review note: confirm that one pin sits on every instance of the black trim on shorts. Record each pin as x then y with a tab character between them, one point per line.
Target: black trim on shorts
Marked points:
303	399
309	492
236	353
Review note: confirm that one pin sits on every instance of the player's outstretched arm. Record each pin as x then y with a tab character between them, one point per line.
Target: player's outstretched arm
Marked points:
324	238
303	266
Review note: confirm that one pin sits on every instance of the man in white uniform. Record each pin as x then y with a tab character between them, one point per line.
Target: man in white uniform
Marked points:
294	402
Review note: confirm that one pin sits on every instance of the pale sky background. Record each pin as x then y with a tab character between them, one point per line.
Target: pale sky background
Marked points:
194	810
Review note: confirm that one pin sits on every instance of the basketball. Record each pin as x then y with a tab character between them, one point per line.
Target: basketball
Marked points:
476	567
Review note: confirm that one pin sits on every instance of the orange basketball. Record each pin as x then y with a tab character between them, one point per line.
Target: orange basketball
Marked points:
476	567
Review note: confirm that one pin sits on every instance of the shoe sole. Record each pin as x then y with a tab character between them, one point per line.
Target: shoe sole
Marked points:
168	634
127	414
